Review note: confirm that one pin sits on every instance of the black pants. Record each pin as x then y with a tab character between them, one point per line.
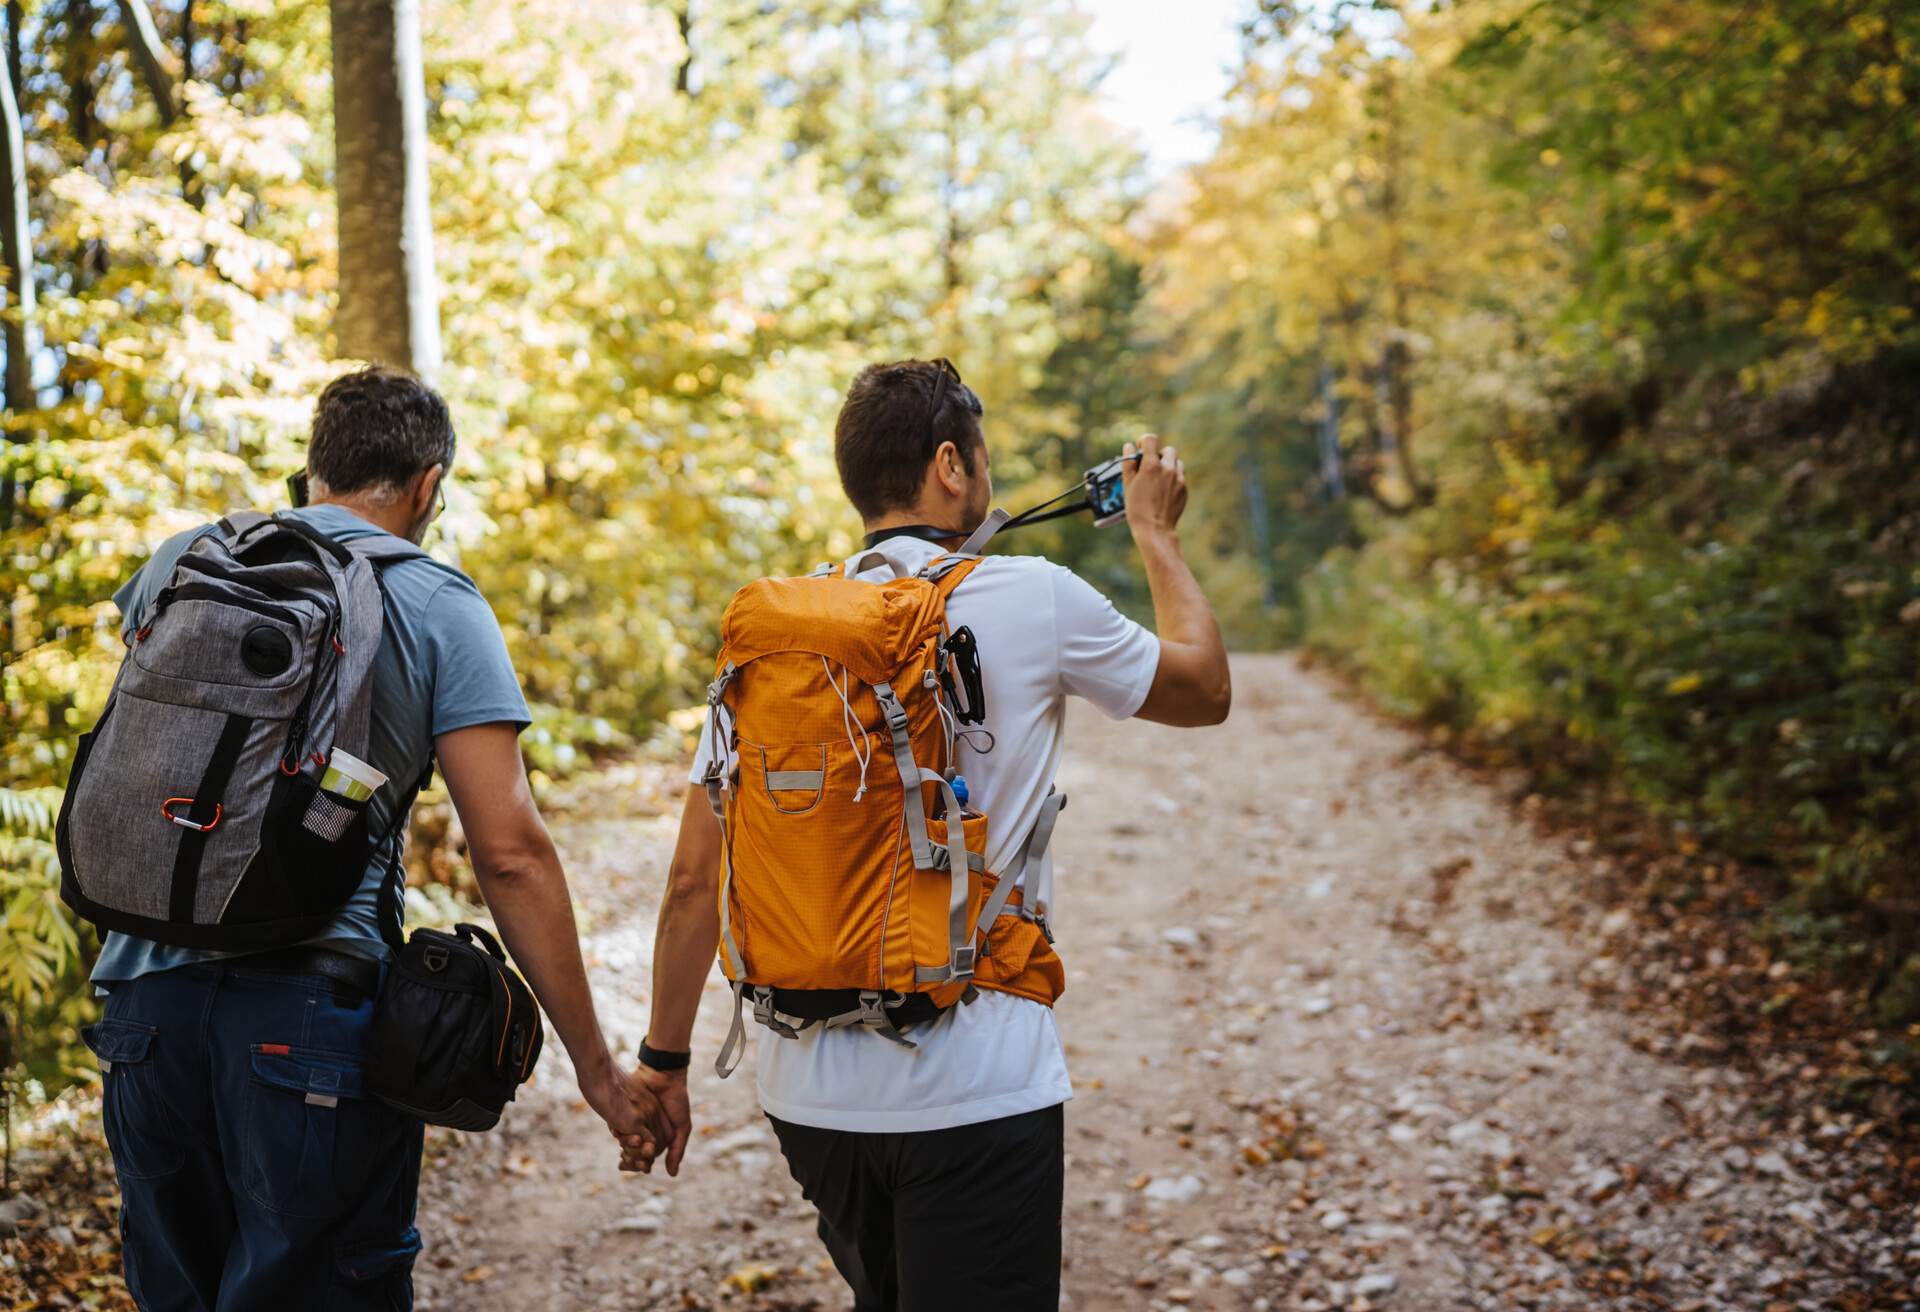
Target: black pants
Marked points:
964	1219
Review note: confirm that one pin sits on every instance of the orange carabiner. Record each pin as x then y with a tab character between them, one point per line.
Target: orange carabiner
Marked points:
166	809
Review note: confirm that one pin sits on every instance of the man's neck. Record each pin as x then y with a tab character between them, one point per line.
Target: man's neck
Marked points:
392	518
916	518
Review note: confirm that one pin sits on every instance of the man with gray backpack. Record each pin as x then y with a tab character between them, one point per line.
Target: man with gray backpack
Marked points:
235	818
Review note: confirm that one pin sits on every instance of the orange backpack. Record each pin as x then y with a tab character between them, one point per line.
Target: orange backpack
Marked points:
848	894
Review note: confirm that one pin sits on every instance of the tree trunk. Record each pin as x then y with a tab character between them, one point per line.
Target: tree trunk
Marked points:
16	240
389	309
79	56
1396	363
16	56
683	76
1331	474
1259	523
151	56
16	248
950	181
191	187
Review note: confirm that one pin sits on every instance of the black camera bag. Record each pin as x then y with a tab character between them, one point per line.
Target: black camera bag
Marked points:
455	1032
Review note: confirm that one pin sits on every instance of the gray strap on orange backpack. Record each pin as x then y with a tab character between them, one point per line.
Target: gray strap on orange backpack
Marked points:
735	1047
1032	851
977	541
909	769
871	1013
717	761
960	949
947	561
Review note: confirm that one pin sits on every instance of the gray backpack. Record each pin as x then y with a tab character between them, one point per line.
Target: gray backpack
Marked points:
194	814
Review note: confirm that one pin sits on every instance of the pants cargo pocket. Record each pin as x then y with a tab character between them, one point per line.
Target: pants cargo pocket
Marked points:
141	1132
376	1276
313	1142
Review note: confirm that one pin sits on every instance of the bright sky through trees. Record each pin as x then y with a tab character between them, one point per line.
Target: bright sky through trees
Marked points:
1174	69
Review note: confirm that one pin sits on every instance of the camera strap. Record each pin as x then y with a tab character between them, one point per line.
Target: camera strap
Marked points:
1041	513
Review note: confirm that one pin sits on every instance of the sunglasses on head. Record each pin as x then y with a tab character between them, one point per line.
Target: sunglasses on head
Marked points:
945	373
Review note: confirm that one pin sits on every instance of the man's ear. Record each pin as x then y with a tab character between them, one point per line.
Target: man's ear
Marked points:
423	490
950	469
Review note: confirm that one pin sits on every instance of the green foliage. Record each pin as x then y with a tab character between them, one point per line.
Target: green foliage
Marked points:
1603	315
37	945
660	264
41	958
1716	633
1746	169
1545	362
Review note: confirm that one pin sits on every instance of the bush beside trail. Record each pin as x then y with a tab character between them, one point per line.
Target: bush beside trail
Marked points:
1714	623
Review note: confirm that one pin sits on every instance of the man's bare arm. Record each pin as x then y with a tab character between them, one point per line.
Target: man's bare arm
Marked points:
520	876
688	934
1192	685
684	943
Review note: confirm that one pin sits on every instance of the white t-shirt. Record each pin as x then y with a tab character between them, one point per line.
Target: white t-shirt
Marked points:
1043	633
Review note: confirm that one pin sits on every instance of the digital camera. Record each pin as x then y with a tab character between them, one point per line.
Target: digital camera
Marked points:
1106	492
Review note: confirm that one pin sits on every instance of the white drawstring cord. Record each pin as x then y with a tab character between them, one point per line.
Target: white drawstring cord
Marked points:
847	719
952	725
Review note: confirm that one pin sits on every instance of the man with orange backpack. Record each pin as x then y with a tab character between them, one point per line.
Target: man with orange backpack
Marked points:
865	847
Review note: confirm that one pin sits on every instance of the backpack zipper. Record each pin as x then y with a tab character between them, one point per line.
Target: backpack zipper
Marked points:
297	727
210	568
506	1026
207	592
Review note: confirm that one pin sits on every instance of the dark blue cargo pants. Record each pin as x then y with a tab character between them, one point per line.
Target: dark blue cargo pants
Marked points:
253	1174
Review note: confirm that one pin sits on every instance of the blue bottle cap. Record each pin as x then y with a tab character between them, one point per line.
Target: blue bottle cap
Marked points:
960	788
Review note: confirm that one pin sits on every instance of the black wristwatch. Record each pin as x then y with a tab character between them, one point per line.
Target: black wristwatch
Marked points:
654	1059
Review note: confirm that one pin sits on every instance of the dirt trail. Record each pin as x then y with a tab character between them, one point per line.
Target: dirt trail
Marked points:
1330	1046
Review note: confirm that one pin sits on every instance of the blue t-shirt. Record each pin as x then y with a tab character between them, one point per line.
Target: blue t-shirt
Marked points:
442	666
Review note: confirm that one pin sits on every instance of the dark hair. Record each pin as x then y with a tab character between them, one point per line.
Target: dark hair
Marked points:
885	437
377	427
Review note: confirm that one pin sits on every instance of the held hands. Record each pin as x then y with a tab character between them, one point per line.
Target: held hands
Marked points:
1156	488
668	1089
632	1111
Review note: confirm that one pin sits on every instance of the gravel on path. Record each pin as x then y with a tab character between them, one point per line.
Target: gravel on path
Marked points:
1333	1045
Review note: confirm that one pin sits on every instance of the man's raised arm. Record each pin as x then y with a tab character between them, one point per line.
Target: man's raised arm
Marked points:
1192	685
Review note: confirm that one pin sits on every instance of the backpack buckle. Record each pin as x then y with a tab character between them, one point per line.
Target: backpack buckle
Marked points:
890	707
435	958
763	1014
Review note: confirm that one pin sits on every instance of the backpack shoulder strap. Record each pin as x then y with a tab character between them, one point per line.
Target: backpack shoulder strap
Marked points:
383	549
977	542
238	523
866	560
947	572
391	906
362	620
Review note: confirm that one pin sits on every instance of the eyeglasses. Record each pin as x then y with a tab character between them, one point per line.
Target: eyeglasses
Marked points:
946	373
300	493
